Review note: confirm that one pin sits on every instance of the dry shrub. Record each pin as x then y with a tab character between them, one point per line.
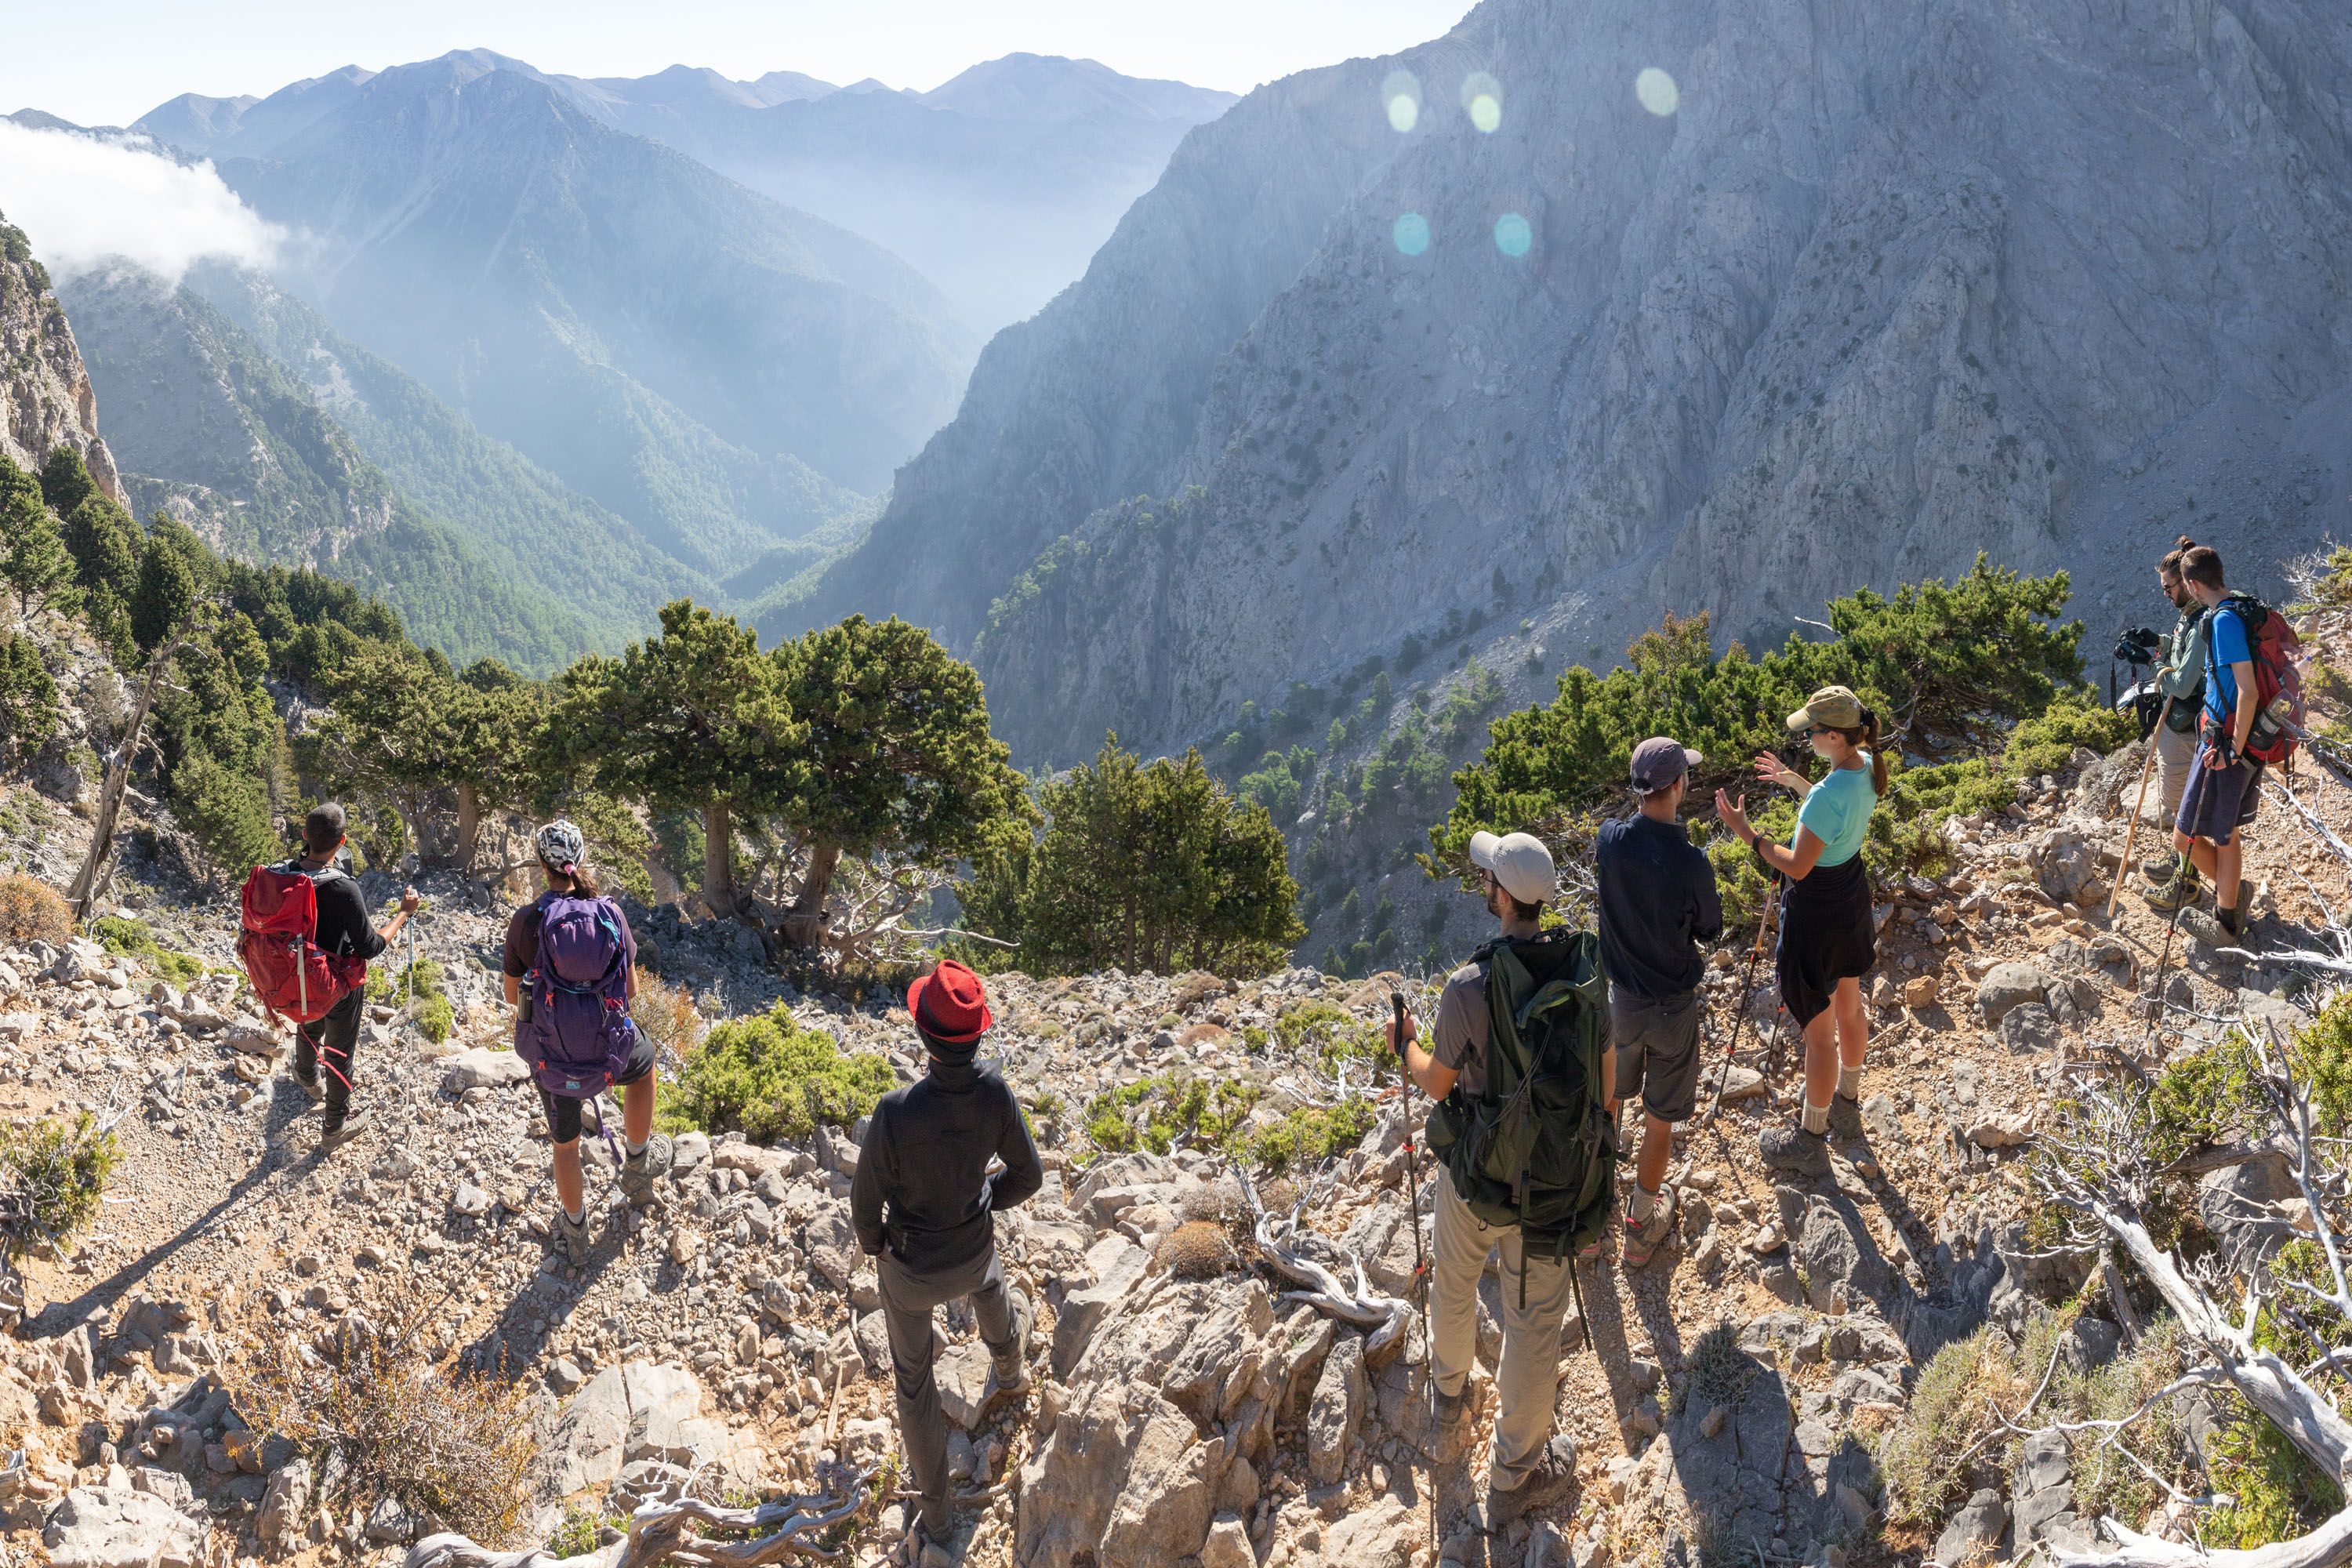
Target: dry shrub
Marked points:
1200	1033
665	1016
1197	1249
1195	986
52	1173
457	1448
32	910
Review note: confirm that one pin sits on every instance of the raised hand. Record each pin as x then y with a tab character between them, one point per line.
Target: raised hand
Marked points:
1773	771
1734	813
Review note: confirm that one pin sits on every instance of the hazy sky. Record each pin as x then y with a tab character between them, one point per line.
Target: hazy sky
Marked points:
109	62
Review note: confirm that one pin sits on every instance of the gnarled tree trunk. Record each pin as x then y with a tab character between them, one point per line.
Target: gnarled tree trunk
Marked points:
804	921
469	825
719	858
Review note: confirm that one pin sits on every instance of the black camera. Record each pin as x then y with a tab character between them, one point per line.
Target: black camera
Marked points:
2137	646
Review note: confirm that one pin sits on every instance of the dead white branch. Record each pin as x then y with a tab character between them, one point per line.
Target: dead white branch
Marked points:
1386	1316
666	1530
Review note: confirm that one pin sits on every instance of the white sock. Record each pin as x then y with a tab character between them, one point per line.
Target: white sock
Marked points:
1645	1202
1817	1119
578	1216
636	1149
1849	1082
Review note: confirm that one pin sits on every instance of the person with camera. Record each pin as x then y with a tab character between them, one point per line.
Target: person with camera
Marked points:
2180	681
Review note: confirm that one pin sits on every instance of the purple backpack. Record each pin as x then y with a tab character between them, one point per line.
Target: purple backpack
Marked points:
579	1036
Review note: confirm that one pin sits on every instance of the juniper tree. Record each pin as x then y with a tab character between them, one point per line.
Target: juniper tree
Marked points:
693	718
33	554
896	764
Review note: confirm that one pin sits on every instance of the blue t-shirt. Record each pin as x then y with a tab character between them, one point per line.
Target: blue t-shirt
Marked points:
1838	811
2227	644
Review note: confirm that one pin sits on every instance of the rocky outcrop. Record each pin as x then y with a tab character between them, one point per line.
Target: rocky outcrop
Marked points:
45	401
1868	301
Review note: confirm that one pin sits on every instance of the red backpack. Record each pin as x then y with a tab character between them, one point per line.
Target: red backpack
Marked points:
279	944
2279	709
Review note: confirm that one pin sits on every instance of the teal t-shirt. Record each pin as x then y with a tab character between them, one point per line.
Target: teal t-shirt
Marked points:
1838	811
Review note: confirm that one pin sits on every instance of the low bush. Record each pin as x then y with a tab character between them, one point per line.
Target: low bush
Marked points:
32	910
1160	1114
1336	1037
52	1175
1944	1444
457	1448
415	986
769	1077
1307	1135
125	937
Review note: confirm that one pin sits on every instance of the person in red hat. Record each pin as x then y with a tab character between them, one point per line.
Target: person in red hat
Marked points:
923	1203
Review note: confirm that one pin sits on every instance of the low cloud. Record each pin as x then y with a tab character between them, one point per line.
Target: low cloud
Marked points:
87	202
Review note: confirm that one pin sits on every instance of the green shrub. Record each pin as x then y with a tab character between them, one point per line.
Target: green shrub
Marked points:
2277	1491
417	984
1168	1112
769	1077
1950	1417
52	1173
1336	1037
1307	1134
28	698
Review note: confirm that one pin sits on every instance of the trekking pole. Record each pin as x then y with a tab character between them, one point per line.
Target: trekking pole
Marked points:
1746	994
2165	959
2140	803
1412	1208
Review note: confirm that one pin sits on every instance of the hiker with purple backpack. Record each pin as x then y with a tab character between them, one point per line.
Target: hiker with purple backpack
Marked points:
570	971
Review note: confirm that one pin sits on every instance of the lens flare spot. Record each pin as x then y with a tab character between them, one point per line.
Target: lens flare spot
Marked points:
1482	100
1657	91
1512	235
1410	234
1401	93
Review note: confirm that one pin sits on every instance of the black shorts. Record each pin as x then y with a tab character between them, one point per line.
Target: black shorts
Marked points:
563	1110
2215	803
1657	1051
1827	935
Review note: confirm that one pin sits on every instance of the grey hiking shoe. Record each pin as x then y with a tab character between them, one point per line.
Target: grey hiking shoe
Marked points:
1011	1374
308	1082
1454	1412
640	1172
1795	1151
336	1134
570	1236
1643	1238
1553	1478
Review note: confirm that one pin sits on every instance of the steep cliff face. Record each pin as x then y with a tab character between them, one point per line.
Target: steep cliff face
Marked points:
1888	286
45	401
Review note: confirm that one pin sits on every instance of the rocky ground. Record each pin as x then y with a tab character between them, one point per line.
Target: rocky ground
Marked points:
1185	1407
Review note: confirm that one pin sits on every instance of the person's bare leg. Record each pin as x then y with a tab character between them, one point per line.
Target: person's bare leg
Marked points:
569	1187
1853	1023
637	1109
2206	856
1657	1149
2229	862
1821	1059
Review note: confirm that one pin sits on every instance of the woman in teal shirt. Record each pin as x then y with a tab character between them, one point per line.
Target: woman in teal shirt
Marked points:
1827	935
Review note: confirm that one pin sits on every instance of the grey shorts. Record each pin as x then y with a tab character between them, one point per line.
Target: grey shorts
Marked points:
1657	1051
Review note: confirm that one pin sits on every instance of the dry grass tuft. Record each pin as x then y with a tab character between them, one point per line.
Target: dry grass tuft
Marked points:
456	1449
1198	1249
665	1015
32	910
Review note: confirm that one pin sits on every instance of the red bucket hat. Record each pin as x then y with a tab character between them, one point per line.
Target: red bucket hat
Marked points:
949	1004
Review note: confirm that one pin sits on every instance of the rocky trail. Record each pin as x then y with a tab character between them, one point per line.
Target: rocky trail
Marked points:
1186	1408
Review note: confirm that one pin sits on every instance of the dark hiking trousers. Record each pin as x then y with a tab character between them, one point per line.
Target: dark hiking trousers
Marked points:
908	1298
334	1036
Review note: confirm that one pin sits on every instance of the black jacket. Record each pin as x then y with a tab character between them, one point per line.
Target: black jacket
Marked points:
922	1186
1658	903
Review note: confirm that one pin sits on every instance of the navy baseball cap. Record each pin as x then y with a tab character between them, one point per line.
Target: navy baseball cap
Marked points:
1659	761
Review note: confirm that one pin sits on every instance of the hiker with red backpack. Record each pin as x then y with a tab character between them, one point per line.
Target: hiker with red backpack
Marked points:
2253	708
306	943
571	968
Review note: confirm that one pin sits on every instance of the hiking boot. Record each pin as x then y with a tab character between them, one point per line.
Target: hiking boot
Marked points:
308	1082
1553	1478
640	1172
2158	869
1590	1252
1010	1375
570	1236
2177	892
1643	1238
1795	1151
1453	1418
340	1130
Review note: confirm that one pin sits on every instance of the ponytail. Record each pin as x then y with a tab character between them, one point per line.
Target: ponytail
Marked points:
1865	735
577	881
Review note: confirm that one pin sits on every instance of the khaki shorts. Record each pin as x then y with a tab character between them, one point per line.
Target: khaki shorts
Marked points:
1657	1051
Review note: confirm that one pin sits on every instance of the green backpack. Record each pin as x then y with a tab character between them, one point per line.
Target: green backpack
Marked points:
1536	1150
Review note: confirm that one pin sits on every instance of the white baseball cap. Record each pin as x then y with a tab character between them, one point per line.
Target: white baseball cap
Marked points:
1519	862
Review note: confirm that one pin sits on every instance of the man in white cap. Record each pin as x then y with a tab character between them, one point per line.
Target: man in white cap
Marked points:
1528	1467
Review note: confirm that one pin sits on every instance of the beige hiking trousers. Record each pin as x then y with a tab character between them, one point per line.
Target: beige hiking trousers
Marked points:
1526	1384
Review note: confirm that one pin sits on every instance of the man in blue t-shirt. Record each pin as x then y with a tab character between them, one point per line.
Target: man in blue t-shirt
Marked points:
1657	903
2223	783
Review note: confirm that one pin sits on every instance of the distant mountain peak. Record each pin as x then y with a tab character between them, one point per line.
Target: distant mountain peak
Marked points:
1047	87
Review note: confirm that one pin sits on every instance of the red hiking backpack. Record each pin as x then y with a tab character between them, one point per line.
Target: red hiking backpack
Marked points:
278	942
2279	709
